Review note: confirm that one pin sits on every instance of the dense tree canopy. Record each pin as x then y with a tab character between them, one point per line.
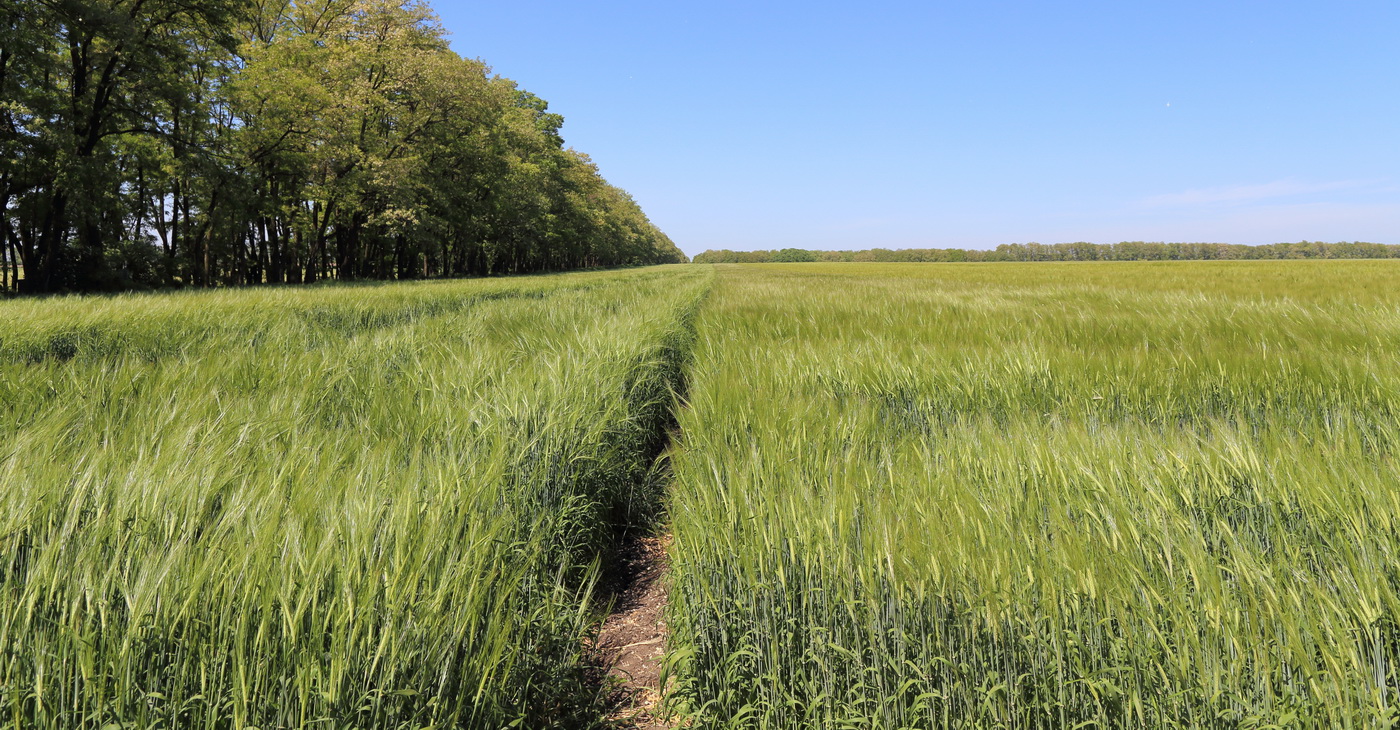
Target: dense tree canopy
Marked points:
221	142
1125	251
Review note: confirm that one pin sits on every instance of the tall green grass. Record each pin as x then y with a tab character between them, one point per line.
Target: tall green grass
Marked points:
1042	496
360	506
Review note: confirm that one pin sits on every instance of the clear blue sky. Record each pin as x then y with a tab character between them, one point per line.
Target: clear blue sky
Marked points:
826	125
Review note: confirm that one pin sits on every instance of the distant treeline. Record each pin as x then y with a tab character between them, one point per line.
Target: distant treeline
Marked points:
1125	251
223	142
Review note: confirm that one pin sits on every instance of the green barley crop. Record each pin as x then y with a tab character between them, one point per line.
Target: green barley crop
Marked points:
1041	496
354	506
1156	495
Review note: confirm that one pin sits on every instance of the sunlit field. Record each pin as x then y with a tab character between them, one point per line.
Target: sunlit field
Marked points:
1081	495
419	365
353	506
1041	496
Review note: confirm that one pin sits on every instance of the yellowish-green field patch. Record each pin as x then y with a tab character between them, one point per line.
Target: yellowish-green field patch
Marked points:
1042	496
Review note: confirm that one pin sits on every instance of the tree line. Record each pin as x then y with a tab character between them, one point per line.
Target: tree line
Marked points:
1124	251
149	143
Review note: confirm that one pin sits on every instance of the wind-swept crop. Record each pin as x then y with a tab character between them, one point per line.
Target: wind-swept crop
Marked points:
1051	496
369	506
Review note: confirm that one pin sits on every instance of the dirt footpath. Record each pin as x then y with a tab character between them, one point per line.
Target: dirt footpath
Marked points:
632	641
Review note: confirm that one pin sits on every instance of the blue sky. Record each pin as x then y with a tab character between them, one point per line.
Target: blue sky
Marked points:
825	125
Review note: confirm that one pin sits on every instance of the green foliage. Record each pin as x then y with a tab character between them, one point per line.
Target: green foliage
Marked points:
792	255
1153	495
347	506
255	143
1125	251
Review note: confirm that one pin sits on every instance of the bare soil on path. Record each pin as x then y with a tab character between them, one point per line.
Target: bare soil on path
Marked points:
632	641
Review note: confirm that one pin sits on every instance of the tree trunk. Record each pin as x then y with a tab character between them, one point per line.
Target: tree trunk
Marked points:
41	266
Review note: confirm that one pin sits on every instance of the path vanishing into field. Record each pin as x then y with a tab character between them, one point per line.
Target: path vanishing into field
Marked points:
632	641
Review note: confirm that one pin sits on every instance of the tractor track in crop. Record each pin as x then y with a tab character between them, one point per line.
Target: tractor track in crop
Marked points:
629	651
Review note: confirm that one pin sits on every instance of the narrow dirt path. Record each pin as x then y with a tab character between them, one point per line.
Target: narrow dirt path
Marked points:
632	642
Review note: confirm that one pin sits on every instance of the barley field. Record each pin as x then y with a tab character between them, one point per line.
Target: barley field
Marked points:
1126	495
342	507
1080	495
